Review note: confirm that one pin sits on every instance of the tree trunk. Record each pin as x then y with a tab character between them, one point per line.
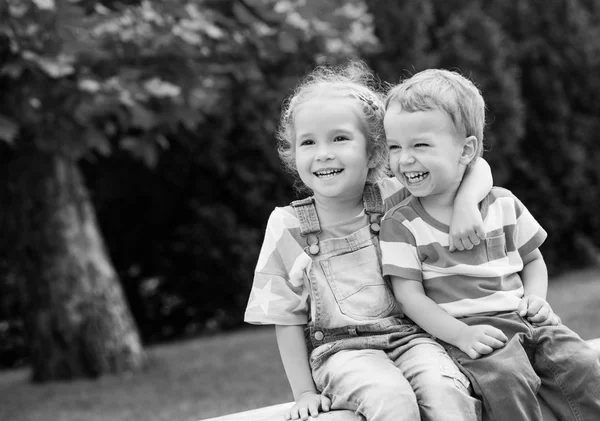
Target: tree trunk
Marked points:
75	313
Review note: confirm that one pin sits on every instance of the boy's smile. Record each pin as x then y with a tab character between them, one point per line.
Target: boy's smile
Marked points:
425	152
414	178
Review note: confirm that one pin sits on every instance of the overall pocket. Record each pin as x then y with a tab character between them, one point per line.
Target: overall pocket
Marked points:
357	284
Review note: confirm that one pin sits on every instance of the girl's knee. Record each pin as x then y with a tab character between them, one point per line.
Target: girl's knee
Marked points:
444	377
390	403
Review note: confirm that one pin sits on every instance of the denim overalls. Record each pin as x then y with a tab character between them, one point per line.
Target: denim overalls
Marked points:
363	354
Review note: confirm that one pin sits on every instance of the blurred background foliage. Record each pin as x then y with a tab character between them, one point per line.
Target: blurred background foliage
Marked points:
169	110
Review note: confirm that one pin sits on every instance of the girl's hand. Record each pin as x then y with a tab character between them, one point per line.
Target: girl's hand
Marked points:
307	405
537	311
466	228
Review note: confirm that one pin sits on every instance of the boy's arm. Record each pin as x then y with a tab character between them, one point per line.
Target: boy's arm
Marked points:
535	274
535	283
474	341
466	227
294	355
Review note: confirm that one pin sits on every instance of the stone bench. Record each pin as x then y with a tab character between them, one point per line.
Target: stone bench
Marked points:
275	412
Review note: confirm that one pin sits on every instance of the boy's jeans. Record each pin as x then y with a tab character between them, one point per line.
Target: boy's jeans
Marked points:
553	360
417	380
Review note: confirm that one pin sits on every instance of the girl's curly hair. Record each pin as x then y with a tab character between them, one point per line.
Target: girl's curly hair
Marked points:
353	80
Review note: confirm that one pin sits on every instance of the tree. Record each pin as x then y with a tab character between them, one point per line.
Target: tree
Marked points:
557	54
84	78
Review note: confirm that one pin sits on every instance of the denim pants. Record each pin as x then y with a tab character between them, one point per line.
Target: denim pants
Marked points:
399	374
549	362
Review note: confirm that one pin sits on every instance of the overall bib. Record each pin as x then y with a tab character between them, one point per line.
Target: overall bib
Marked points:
364	355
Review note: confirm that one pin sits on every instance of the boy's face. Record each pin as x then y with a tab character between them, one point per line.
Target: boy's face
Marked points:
426	151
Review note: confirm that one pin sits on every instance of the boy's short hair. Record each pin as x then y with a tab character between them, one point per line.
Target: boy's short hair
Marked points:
447	91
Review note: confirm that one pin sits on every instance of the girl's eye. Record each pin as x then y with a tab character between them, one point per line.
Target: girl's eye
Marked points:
340	138
306	142
393	147
420	145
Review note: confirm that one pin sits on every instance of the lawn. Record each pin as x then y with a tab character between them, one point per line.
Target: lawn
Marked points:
227	373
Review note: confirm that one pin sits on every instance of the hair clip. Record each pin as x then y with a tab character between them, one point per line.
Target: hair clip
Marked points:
369	102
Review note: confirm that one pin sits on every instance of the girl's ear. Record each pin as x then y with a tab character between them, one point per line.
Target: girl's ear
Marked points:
374	158
469	150
372	162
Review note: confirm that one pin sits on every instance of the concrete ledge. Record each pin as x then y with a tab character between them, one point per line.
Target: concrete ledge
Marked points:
275	412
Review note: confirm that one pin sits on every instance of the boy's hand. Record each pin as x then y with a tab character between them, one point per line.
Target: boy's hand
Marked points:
480	340
537	311
466	228
308	406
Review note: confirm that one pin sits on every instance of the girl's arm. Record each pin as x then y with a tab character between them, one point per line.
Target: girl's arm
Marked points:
474	341
294	355
466	226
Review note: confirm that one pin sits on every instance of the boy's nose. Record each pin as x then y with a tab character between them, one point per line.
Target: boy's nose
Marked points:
406	158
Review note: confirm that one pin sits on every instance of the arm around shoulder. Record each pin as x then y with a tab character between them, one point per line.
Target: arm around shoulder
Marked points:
466	227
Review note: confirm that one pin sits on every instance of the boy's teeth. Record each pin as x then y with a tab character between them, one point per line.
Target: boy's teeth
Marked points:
415	176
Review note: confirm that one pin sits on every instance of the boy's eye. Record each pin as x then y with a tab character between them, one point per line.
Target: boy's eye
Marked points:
392	147
420	145
340	138
306	142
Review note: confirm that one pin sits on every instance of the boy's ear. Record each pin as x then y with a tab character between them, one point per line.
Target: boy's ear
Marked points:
469	150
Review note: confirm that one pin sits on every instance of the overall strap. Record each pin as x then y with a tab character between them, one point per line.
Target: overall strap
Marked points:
309	222
373	203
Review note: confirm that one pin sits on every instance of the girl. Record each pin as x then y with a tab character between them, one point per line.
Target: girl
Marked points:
318	277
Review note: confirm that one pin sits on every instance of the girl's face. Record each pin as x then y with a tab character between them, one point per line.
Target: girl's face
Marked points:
331	148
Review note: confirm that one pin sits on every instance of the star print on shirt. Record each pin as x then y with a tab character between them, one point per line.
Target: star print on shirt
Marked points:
302	304
264	296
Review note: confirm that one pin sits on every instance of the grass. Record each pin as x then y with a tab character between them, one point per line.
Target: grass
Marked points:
575	297
223	374
186	381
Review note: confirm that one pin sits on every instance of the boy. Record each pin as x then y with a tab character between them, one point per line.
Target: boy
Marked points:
486	304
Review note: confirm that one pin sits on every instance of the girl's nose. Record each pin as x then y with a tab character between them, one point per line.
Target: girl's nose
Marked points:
323	154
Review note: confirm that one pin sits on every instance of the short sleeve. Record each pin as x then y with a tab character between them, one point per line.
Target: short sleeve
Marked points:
392	192
399	253
278	294
530	234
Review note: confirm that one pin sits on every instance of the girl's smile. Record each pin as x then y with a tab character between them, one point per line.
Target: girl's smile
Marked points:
331	150
328	173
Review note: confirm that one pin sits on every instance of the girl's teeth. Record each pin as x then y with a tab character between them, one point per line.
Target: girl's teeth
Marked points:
327	173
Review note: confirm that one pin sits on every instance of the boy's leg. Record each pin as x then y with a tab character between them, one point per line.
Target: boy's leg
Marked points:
367	382
570	373
443	392
504	379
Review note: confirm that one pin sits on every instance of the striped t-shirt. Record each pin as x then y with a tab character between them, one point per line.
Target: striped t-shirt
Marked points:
484	279
280	294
